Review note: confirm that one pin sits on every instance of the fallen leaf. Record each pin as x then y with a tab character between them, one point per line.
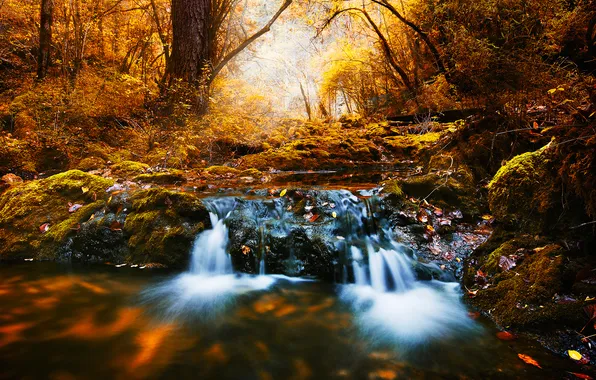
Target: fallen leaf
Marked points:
84	189
588	298
44	228
314	218
529	360
574	355
283	192
245	250
438	211
307	216
505	263
506	335
444	222
581	375
74	207
116	226
487	217
334	214
422	216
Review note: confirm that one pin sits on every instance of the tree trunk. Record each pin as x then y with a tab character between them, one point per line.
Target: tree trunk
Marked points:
45	37
190	44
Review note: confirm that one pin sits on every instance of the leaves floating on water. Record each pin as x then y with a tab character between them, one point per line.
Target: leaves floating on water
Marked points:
334	214
581	375
314	218
283	192
529	360
574	355
506	335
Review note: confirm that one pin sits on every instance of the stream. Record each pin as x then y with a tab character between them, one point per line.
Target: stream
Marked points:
379	319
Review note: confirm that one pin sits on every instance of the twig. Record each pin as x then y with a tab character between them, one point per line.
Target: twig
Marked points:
583	224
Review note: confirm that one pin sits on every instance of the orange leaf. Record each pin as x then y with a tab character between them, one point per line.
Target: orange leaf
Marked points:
506	335
116	226
314	218
529	360
44	228
581	375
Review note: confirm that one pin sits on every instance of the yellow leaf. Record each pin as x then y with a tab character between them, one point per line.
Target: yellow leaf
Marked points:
574	355
561	89
334	214
84	189
487	217
283	192
552	91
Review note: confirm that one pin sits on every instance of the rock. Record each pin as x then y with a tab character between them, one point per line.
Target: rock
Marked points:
25	207
162	226
129	169
11	179
91	163
524	191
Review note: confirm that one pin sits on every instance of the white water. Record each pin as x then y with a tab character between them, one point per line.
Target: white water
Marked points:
388	303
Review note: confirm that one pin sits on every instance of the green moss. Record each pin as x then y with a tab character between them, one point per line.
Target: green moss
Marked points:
169	177
129	168
252	172
222	171
524	191
524	296
411	144
455	190
163	225
24	208
394	191
91	163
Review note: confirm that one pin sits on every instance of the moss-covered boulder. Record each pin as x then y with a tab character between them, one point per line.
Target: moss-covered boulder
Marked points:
527	295
91	163
169	177
162	226
36	217
447	189
524	191
129	169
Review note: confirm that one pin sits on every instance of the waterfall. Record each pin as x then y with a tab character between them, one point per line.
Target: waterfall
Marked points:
209	255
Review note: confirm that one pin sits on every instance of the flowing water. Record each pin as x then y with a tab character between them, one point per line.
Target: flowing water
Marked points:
381	322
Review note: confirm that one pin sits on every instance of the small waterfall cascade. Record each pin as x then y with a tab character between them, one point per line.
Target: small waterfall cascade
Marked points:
386	267
209	255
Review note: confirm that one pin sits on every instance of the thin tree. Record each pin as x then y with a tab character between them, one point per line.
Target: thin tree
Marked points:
45	38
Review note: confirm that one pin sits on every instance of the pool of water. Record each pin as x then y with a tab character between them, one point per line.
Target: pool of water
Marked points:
62	321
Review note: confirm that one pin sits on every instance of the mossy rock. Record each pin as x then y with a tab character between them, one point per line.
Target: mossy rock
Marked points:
91	163
222	171
410	145
524	191
449	191
26	207
163	178
523	296
163	225
129	169
394	192
252	172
